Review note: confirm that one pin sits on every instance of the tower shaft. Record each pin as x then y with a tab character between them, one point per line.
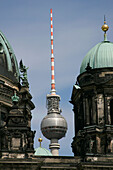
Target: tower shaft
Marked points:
53	126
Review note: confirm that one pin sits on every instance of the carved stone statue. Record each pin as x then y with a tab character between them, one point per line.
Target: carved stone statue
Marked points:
23	70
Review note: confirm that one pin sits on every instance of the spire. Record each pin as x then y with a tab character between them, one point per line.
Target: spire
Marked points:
40	140
53	91
105	28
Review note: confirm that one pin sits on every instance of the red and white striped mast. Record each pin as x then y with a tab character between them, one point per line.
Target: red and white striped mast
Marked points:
53	91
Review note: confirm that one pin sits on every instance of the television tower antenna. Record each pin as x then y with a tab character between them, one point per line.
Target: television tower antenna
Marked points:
53	91
54	125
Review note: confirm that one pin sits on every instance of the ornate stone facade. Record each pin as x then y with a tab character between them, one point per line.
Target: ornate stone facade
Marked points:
16	135
93	110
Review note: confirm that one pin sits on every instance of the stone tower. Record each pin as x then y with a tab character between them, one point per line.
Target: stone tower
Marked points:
16	136
92	99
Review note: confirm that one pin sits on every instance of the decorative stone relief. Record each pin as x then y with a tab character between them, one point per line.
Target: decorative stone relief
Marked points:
108	106
98	141
100	109
111	145
53	105
15	143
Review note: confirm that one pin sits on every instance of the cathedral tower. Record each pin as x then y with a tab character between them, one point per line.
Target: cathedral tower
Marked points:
53	126
92	99
16	136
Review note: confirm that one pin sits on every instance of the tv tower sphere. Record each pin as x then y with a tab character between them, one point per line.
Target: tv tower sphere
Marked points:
54	125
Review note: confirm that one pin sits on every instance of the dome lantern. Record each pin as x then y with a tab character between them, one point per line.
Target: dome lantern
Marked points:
105	28
40	140
42	151
101	55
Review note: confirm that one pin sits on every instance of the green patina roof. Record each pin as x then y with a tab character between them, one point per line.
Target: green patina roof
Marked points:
10	56
42	152
99	56
15	98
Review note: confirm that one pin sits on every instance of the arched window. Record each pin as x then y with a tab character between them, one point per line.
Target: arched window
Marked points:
13	65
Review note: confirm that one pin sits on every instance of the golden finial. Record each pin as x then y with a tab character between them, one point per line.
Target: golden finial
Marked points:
40	140
105	28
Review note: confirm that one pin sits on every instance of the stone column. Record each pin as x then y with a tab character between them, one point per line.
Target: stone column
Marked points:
54	146
93	111
87	112
0	115
84	111
98	144
100	109
106	109
109	116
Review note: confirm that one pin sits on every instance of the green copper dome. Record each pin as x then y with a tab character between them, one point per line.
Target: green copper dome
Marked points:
42	152
100	56
8	63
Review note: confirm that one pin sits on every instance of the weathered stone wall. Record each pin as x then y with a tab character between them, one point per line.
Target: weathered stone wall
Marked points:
93	110
58	163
